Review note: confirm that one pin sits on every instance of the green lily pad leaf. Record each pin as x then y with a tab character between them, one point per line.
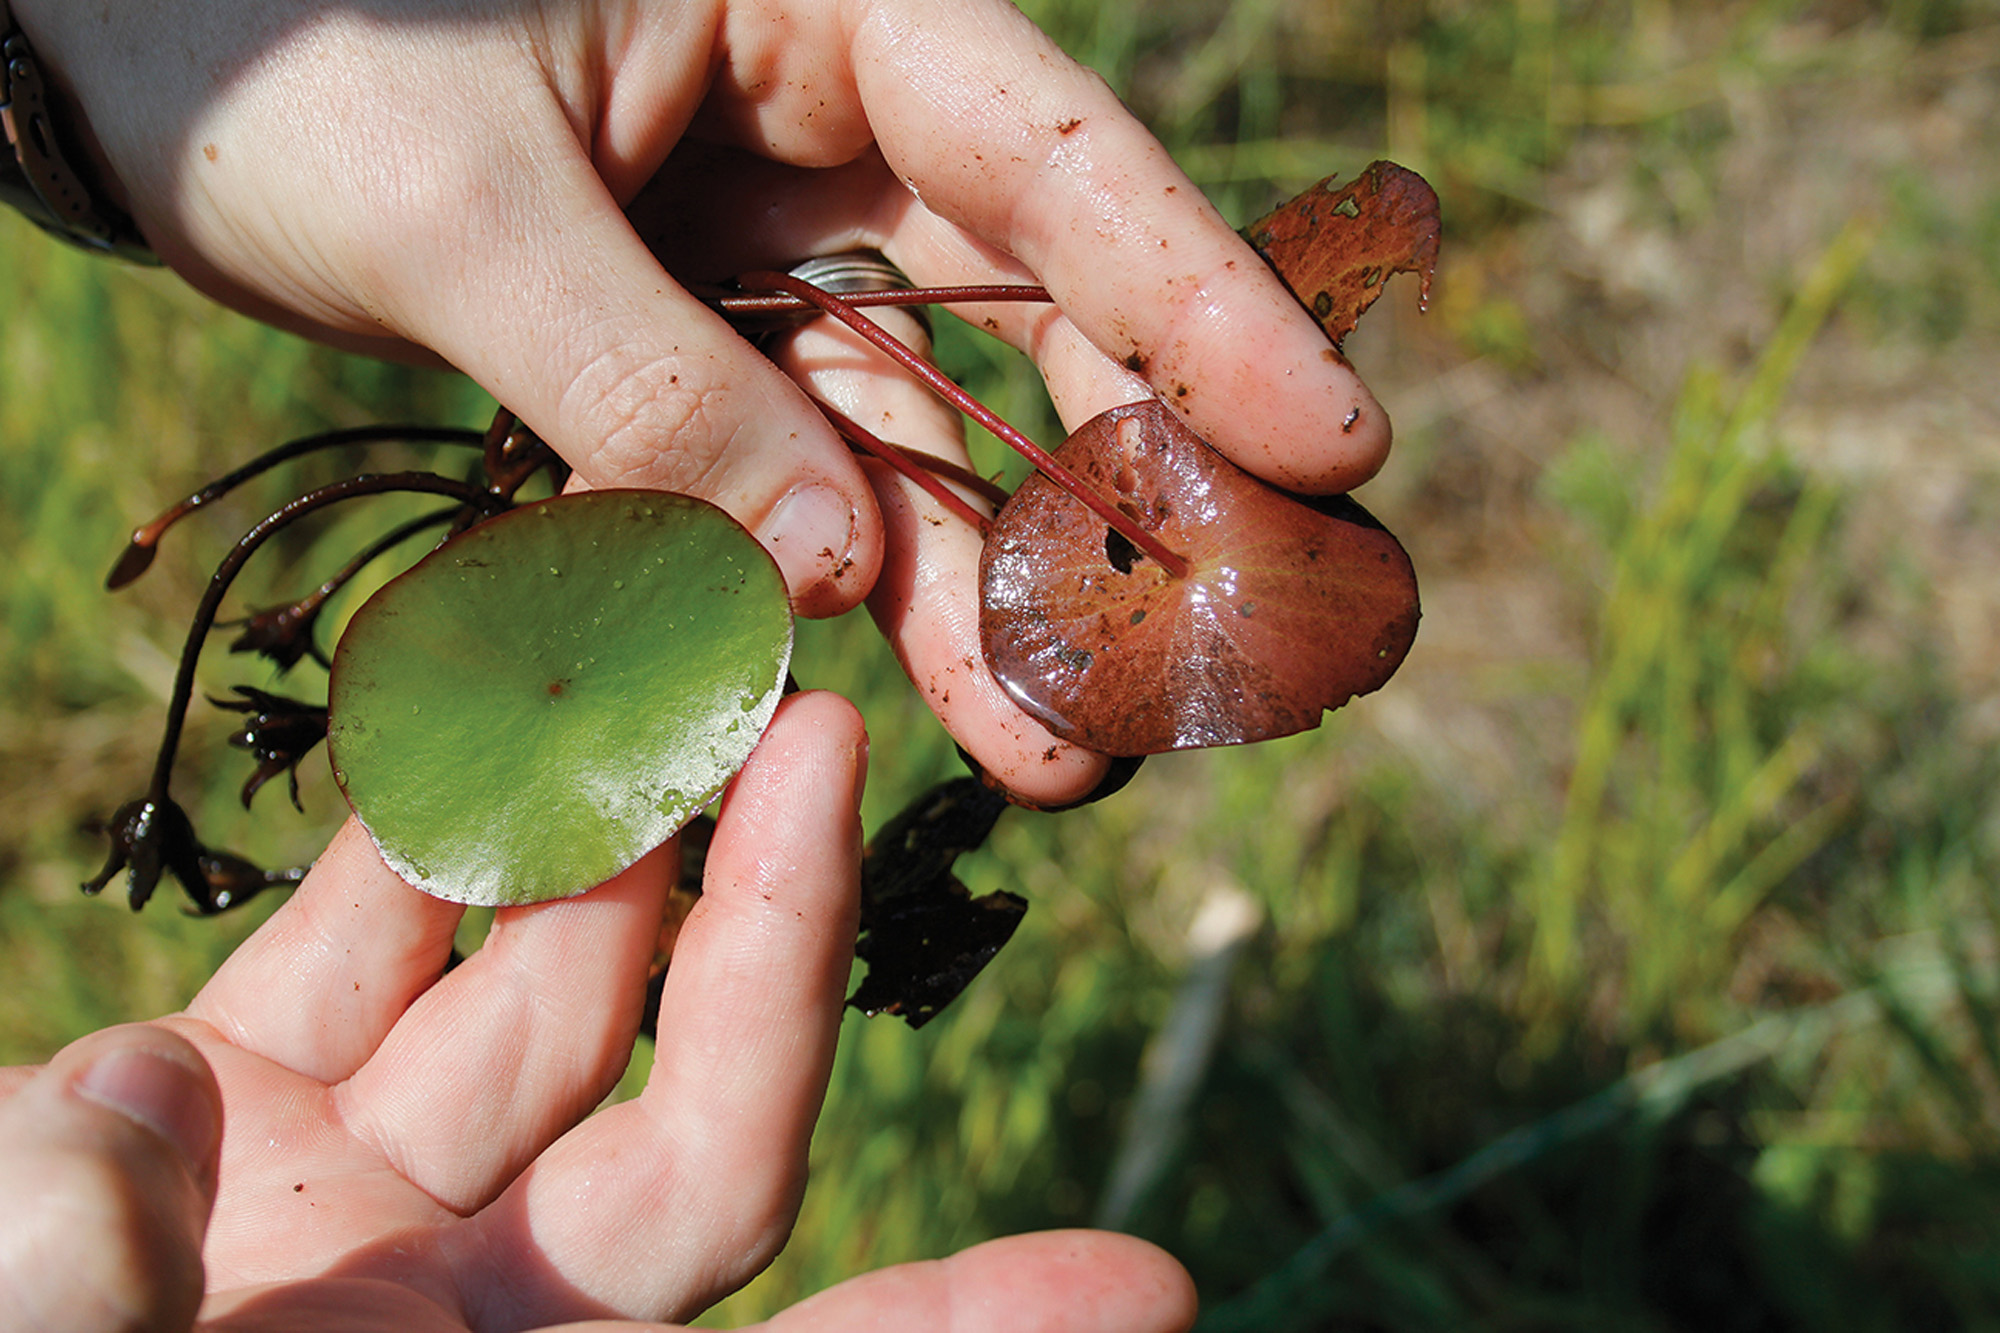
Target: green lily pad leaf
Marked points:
555	692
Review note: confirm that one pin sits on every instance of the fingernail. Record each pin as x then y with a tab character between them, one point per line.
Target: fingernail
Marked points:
810	534
162	1094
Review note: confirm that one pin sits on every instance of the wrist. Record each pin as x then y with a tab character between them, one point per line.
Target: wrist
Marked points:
51	171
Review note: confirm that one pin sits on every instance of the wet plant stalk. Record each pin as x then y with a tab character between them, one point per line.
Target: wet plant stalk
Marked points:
942	385
138	553
232	564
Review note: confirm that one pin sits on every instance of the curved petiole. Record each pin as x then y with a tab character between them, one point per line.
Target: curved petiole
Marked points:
842	309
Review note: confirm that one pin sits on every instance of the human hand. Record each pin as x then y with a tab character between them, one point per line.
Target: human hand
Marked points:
451	175
408	1148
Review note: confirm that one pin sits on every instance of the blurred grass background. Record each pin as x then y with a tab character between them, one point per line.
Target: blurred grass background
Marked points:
1631	960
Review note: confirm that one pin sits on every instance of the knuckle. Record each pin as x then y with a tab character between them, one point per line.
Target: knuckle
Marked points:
744	1248
644	424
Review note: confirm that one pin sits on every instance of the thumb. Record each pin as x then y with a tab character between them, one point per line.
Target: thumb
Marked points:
537	286
110	1155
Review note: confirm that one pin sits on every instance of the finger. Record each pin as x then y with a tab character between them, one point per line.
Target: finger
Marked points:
518	1043
1068	182
926	599
1035	167
1055	1282
767	214
927	603
511	258
110	1158
760	213
631	379
702	1173
321	983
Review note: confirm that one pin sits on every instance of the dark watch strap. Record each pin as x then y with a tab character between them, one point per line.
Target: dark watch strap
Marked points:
37	176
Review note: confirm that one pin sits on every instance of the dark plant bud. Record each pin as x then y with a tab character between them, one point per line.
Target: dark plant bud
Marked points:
134	560
282	634
232	881
148	838
279	733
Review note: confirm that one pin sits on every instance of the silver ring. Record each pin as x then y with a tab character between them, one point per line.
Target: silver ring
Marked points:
855	271
860	271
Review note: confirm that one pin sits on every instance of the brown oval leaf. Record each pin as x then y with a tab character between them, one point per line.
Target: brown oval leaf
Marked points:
1290	607
1336	245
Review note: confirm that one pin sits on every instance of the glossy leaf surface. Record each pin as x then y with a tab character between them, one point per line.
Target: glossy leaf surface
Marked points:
1290	606
1336	245
556	691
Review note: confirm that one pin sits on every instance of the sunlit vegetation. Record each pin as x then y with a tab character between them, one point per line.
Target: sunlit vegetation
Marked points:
1630	960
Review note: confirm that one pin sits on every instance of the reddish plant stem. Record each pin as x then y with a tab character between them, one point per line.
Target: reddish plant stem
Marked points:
990	491
138	554
232	564
776	303
308	606
904	462
942	385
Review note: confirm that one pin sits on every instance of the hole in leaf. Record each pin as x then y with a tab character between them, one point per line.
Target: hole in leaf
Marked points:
1121	553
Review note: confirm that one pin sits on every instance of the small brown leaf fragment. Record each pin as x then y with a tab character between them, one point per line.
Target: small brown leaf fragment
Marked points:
1335	246
923	935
